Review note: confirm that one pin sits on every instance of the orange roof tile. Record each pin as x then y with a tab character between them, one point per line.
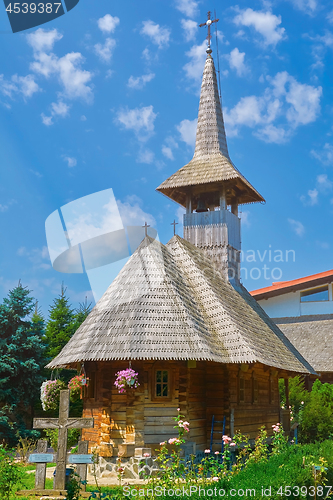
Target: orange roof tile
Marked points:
281	287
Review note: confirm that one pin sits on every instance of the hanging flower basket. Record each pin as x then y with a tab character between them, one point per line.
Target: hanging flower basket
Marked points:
50	394
75	386
126	379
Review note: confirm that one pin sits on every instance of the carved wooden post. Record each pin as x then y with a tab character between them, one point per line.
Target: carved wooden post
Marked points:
40	468
82	468
59	480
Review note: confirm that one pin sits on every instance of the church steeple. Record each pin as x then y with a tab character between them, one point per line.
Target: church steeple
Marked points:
210	182
211	171
210	138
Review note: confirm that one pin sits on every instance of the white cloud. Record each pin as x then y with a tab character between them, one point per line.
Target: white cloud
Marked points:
285	99
71	162
297	227
190	29
57	109
187	7
187	130
194	68
167	152
307	6
27	85
158	35
36	173
60	108
329	17
132	214
323	183
325	156
145	156
270	133
83	118
236	62
313	195
105	51
168	147
42	40
66	69
24	85
3	208
179	214
47	120
37	256
245	218
108	23
304	100
140	120
140	81
264	23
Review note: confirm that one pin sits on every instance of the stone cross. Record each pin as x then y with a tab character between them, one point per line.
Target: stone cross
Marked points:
63	423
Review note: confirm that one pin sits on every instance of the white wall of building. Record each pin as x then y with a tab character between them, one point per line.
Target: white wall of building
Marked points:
289	305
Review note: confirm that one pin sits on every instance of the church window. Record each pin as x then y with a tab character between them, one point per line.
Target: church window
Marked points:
315	294
162	383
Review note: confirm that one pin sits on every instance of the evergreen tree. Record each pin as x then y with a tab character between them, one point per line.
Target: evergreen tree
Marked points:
60	326
81	313
21	361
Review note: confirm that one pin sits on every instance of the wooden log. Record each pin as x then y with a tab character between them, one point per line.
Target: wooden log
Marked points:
41	468
82	468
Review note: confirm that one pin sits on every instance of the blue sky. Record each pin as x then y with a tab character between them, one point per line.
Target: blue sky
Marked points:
107	96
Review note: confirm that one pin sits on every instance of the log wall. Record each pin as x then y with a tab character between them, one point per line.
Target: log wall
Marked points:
137	419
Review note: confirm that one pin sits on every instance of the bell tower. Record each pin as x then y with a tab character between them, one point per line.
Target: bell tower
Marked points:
210	187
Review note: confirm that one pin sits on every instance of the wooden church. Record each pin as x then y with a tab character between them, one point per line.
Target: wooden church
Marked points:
179	316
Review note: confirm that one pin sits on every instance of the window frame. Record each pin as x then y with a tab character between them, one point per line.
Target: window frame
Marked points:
312	292
154	382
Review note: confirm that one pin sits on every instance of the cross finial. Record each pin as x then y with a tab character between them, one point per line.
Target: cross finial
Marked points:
174	223
146	227
208	23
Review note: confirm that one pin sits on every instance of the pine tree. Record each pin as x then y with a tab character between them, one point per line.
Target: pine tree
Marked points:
81	313
21	361
60	326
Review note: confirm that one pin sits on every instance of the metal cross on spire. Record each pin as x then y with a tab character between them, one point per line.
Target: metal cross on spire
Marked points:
174	223
146	228
208	23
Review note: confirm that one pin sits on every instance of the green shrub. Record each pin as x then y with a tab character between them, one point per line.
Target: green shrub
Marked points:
316	419
72	439
10	473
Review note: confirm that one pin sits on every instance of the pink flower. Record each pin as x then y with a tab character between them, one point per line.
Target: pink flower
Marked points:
217	452
207	451
173	441
163	443
232	444
302	402
147	455
178	409
226	439
215	478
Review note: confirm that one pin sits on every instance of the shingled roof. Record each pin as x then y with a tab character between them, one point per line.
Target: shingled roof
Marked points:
312	336
170	302
211	165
